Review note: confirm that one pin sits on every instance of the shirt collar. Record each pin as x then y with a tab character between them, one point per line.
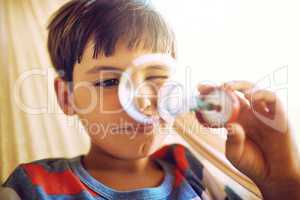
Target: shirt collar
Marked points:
159	192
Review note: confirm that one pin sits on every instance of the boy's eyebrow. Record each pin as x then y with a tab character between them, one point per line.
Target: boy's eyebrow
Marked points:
103	68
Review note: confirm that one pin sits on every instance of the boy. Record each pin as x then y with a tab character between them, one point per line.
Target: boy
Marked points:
90	42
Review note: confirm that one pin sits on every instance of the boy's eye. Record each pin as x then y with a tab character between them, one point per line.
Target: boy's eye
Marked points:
107	83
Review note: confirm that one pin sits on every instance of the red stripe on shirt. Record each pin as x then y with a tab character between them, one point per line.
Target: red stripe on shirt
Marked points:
178	178
181	161
161	153
56	183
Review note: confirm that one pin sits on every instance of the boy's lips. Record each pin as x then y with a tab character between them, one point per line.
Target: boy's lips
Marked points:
139	128
144	128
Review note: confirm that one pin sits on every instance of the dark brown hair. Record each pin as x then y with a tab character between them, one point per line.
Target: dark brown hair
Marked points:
105	22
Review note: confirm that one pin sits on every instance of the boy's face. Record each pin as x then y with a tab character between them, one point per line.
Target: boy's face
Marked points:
96	102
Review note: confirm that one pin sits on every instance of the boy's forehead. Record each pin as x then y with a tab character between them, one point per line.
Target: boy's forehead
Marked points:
121	58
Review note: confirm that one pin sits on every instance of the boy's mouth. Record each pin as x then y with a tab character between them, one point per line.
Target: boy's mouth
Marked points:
144	128
138	128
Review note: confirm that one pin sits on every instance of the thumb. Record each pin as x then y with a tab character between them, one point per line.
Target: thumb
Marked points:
235	143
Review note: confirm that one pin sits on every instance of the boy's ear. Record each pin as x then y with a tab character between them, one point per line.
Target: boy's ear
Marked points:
64	96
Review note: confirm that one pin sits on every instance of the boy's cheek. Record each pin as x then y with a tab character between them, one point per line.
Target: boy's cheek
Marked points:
84	98
86	102
97	123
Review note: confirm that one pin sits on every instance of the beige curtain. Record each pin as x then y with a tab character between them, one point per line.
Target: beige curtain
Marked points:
27	132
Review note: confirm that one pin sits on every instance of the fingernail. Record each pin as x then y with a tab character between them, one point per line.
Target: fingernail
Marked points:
230	130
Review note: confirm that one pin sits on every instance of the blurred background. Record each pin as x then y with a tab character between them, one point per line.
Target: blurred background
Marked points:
218	40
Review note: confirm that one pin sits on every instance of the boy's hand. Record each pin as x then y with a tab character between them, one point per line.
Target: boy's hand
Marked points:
260	143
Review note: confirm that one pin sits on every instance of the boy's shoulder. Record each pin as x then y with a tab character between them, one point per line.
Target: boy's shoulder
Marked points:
186	166
45	176
59	164
44	170
181	158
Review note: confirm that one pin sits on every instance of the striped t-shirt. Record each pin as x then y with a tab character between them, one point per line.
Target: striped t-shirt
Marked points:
67	179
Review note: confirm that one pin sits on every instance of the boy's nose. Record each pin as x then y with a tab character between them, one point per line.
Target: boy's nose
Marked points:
146	100
146	107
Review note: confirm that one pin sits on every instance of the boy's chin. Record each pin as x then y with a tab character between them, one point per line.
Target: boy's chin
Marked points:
152	143
142	149
126	147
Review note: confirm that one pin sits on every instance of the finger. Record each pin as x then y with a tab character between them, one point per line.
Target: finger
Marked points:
263	101
259	95
267	104
263	108
243	153
241	86
206	89
244	103
235	142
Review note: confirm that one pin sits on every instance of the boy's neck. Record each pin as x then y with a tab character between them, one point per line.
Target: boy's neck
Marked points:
122	175
97	159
